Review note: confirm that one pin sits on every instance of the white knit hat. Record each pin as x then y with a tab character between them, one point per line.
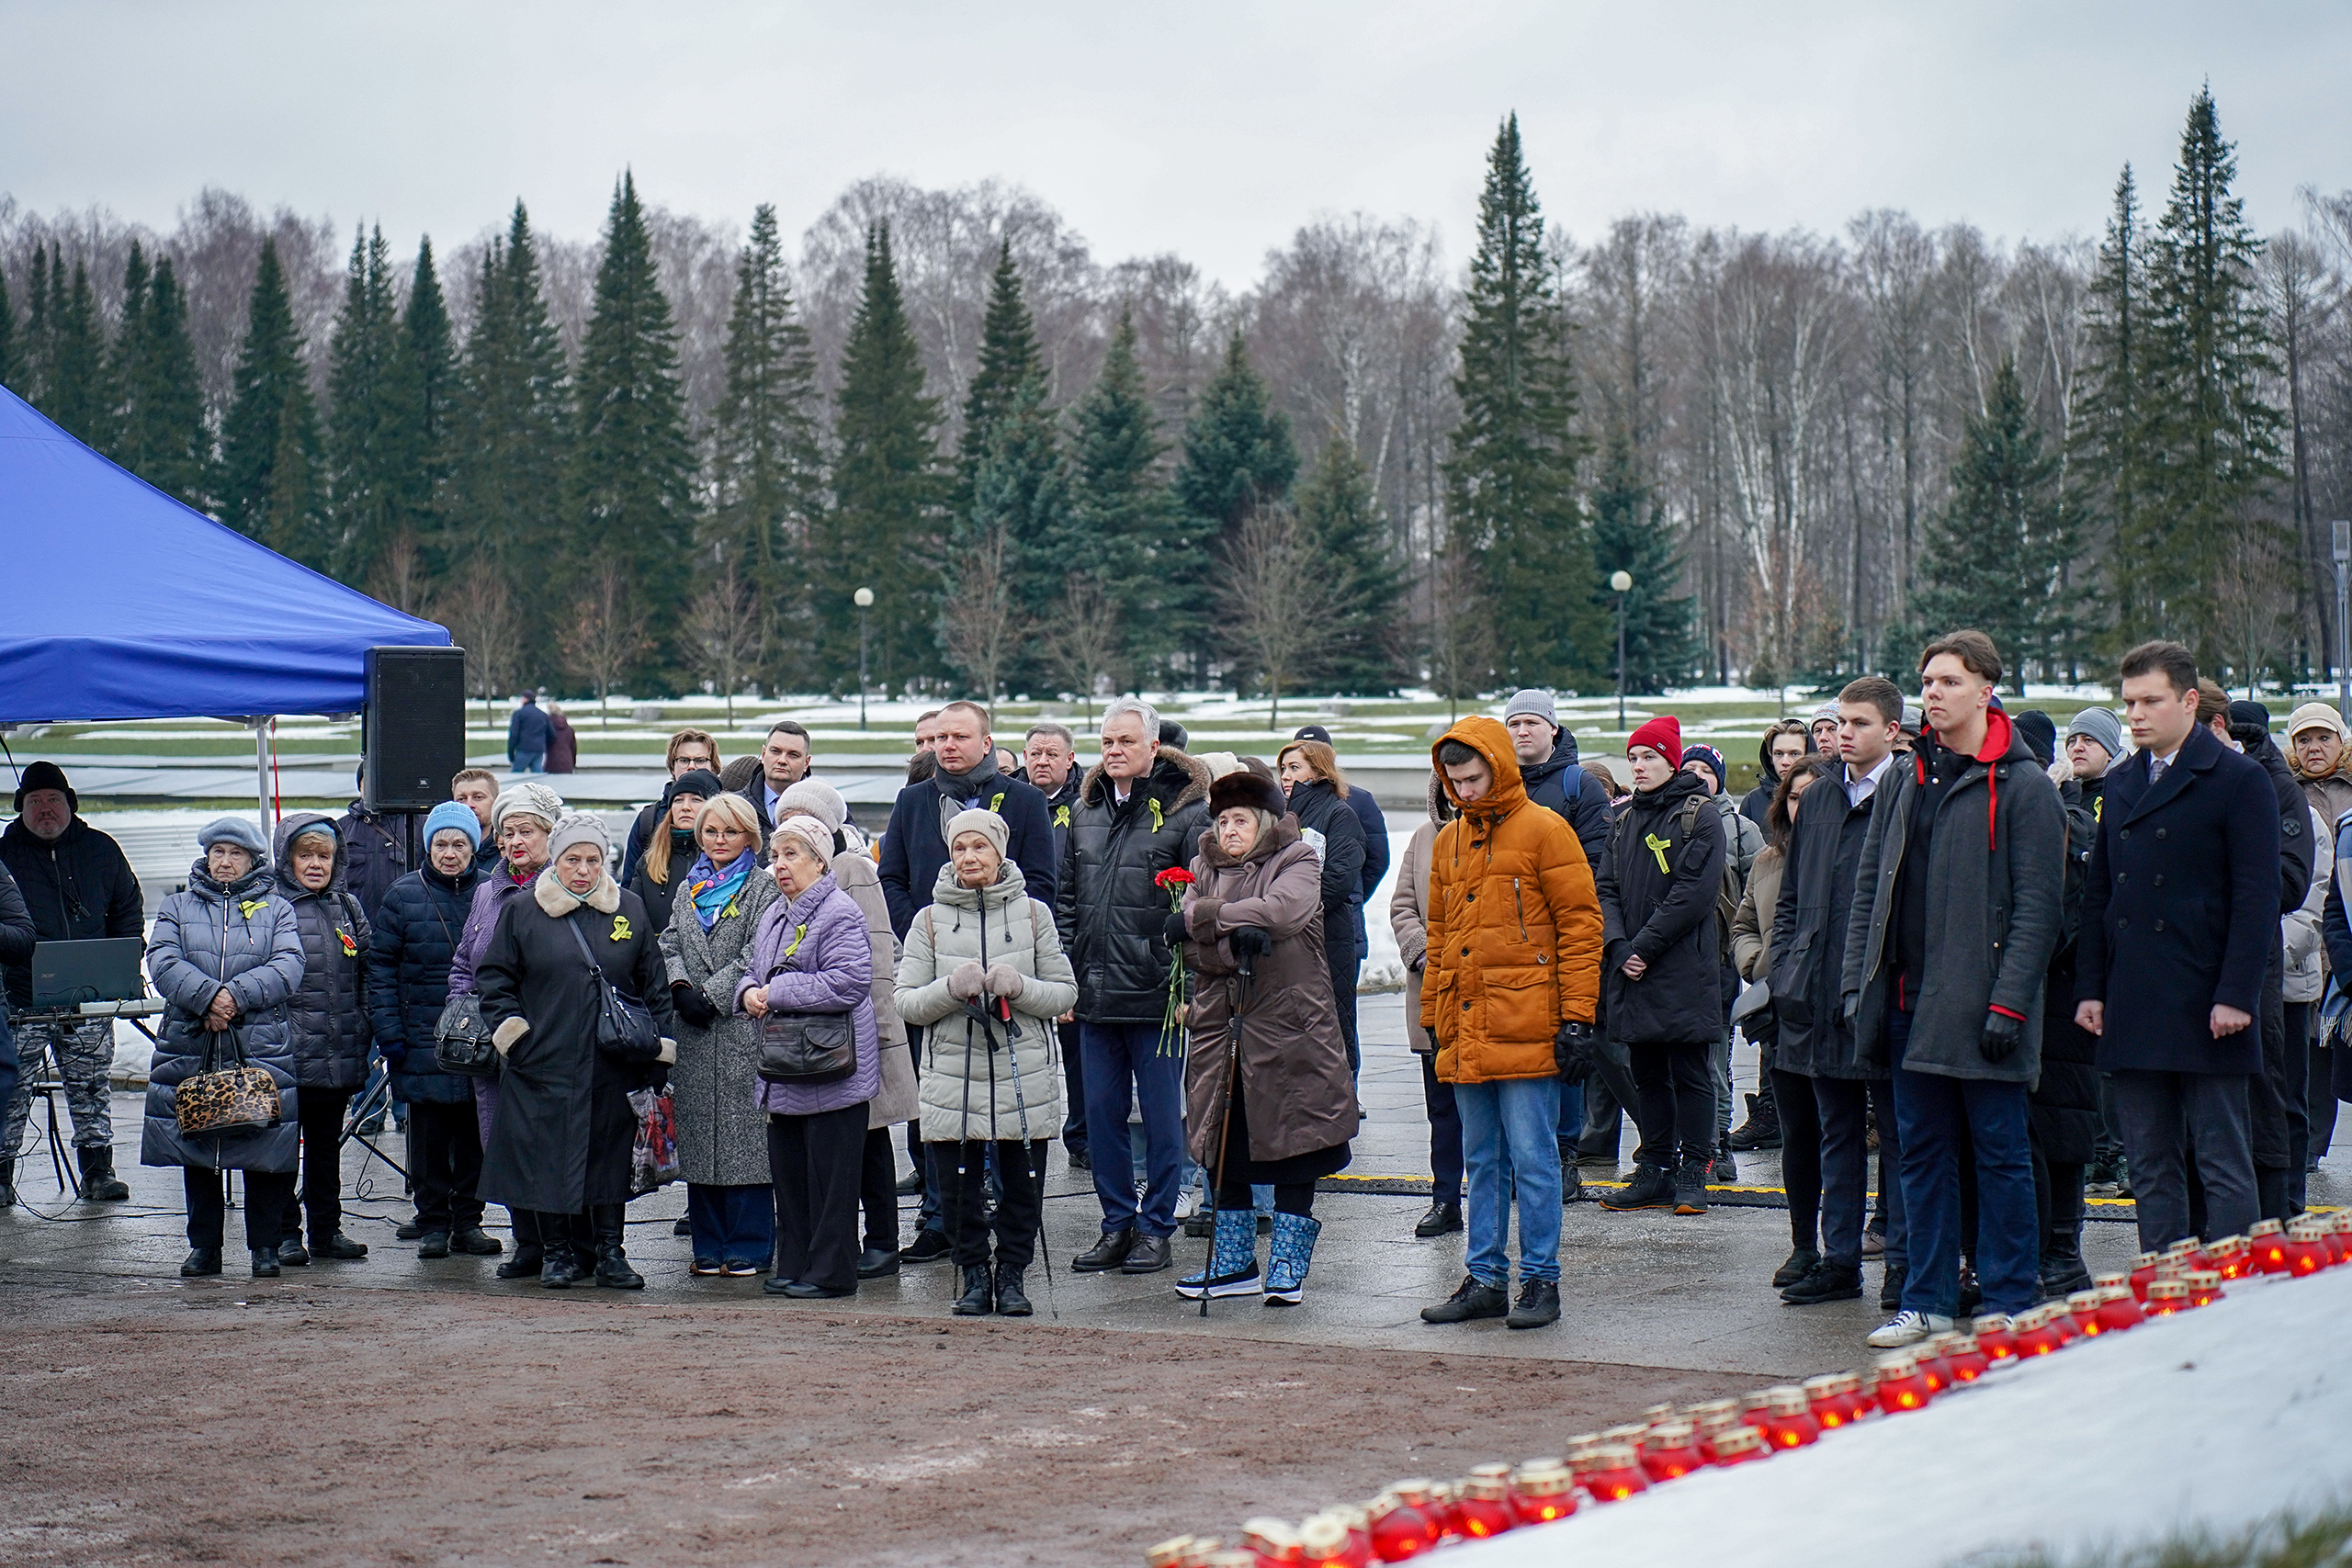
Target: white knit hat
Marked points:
987	824
821	800
530	799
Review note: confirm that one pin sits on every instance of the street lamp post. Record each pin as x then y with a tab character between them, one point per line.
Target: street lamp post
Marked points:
1621	583
864	600
2342	640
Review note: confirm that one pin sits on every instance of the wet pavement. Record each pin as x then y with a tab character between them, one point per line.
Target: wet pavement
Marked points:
1638	1289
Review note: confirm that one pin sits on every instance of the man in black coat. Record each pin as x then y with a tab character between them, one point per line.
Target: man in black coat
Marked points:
77	886
1140	812
379	848
1820	1075
2181	908
2281	1120
915	844
1049	756
1547	766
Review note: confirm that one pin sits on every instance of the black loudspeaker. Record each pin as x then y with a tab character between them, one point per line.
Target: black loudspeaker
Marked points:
415	733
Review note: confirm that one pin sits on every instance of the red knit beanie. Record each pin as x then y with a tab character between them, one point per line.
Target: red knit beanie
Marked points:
1662	735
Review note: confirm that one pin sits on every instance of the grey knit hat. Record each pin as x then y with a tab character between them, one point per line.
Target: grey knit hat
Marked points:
1534	700
821	801
2102	727
580	828
987	824
234	831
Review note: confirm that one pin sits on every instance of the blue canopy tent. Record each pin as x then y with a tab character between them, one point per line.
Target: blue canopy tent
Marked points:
119	602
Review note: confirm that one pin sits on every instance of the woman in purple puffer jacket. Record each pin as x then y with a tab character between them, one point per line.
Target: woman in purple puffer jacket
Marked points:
811	954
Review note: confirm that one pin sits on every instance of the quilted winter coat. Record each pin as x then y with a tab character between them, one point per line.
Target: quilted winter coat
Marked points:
326	1018
414	939
986	1079
241	936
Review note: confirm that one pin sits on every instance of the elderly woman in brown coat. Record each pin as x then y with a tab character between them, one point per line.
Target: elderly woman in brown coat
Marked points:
1267	1097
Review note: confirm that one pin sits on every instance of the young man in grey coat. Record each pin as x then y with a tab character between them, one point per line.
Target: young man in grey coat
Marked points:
1956	912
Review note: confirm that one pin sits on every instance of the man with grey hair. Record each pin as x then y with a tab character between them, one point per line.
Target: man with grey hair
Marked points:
1140	811
1049	758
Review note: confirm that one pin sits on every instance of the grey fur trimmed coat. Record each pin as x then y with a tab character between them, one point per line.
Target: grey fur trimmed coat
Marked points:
987	1080
722	1133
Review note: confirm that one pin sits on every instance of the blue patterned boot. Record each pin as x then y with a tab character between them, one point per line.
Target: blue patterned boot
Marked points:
1294	1252
1233	1260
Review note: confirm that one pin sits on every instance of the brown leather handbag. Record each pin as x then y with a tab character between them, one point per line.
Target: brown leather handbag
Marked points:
226	1098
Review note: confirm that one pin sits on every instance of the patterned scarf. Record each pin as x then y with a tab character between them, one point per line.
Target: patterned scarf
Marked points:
714	891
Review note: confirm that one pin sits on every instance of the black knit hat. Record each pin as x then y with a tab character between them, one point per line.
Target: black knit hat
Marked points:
2039	733
699	782
1246	788
46	774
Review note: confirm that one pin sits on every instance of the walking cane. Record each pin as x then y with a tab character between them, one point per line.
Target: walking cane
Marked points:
1245	961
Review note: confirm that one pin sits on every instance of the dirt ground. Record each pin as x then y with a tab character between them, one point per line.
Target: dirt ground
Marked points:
282	1422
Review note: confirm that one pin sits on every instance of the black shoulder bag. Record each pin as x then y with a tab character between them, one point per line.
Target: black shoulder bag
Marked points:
625	1027
809	1048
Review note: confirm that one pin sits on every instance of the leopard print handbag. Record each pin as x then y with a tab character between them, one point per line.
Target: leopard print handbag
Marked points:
226	1099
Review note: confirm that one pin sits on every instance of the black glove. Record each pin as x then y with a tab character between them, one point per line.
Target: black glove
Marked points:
1174	931
692	1005
1253	942
2002	1034
1572	1050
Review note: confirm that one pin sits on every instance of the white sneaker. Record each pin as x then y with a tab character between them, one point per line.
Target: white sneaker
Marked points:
1907	1329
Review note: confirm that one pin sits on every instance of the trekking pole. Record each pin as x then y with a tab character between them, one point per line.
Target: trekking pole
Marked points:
1035	1162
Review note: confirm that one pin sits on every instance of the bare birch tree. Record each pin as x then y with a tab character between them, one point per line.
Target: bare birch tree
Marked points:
981	625
607	637
726	634
1274	596
1081	644
479	616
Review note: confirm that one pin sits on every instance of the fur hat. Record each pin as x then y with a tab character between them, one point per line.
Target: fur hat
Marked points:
821	800
987	824
529	799
46	774
234	831
1247	788
453	816
1662	735
580	828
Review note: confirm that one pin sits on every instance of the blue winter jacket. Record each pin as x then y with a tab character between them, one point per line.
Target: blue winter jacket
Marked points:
417	926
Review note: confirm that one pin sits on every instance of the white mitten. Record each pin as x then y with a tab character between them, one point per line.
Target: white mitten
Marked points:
669	1050
507	1034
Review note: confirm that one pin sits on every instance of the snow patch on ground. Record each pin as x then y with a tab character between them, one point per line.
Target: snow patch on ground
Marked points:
2214	1417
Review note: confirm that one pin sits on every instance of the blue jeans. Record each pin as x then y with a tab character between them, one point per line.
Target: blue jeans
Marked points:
732	1224
1510	1139
1931	1112
1124	1059
529	762
1572	1110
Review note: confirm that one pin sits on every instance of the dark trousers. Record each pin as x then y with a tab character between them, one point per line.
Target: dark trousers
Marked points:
814	1161
1074	1081
1841	1112
267	1195
2058	1205
2319	1094
731	1225
927	1212
1290	1198
1799	1156
1445	1134
322	1115
1935	1114
1675	1103
2302	1106
878	1192
1124	1059
445	1166
964	1185
2163	1117
1340	956
559	1234
1609	1092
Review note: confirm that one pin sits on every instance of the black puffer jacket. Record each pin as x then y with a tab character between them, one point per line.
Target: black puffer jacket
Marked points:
416	933
1658	891
1113	917
326	1018
1317	805
1559	782
77	887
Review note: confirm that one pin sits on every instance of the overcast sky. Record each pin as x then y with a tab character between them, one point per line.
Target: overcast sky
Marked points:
1210	130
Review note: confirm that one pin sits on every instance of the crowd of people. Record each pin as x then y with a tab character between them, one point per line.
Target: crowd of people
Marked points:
1155	961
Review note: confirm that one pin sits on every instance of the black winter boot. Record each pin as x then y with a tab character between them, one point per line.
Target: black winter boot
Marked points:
1801	1263
1650	1189
8	1184
1691	1188
980	1293
265	1263
99	1183
1762	1128
1824	1282
613	1271
1011	1301
201	1261
2062	1271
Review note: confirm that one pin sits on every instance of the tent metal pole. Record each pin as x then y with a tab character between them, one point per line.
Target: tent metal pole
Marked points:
261	773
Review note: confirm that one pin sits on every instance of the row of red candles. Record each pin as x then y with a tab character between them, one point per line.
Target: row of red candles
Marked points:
1414	1516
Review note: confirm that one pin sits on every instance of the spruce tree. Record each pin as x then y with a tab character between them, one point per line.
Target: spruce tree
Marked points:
2110	444
1011	540
1129	533
39	345
2213	435
267	481
633	470
1630	534
427	383
1008	357
887	490
1995	557
80	394
118	435
511	431
159	431
369	420
1238	457
765	460
10	372
1510	470
1358	650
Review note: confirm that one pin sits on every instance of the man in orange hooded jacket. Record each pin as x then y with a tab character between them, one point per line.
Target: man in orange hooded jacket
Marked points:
1512	981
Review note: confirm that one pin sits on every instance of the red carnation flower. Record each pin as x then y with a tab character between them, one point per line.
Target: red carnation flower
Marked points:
1175	877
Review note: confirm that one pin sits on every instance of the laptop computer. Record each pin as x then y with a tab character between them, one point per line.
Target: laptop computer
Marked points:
104	969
